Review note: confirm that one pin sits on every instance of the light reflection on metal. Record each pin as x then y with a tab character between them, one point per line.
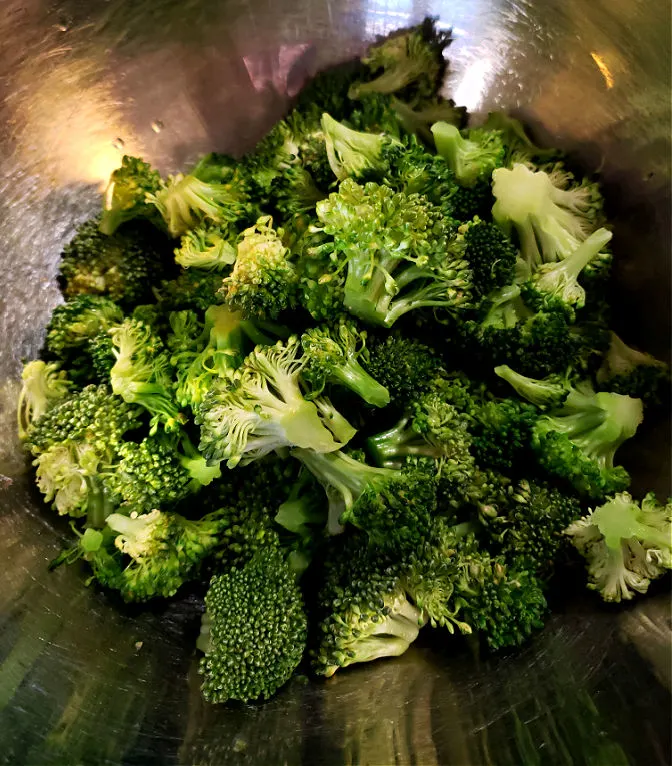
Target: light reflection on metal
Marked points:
604	69
471	87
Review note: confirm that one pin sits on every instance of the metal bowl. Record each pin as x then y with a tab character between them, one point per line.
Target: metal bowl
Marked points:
86	680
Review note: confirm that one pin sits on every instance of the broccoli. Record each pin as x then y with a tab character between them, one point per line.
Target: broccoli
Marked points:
519	146
397	251
263	278
549	393
332	355
550	221
578	439
127	192
121	266
43	386
626	544
75	322
472	155
634	373
294	191
491	256
418	121
206	247
376	113
100	352
262	409
394	507
410	64
192	289
303	519
185	202
254	630
274	153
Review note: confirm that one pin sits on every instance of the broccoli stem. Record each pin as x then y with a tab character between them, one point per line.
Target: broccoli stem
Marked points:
356	378
397	443
542	393
99	506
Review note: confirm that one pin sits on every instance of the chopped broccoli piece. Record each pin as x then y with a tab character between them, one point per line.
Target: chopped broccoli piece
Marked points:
206	247
491	256
75	322
626	544
43	386
192	289
254	630
126	194
473	156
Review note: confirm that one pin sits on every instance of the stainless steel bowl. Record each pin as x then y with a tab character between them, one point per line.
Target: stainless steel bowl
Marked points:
84	679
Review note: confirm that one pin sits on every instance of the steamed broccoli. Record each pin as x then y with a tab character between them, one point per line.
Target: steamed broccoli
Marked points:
491	256
75	322
127	192
626	544
43	386
472	155
206	247
254	630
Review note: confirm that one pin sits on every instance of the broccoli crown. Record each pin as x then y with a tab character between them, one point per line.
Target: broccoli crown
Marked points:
126	194
254	630
206	247
121	266
362	608
491	256
75	322
377	113
405	366
164	549
634	373
64	474
193	289
261	409
263	279
295	191
397	251
100	350
92	415
141	373
410	64
626	544
43	385
185	202
332	355
502	431
472	155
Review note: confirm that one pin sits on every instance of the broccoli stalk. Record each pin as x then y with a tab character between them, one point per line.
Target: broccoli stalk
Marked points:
473	158
549	392
626	545
43	386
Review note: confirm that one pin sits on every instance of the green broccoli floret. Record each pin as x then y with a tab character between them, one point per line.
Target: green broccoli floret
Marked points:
550	221
294	191
501	431
396	247
141	373
100	351
263	279
634	373
577	441
254	630
626	544
185	202
126	194
43	386
206	247
332	356
472	155
491	256
121	266
519	146
418	121
75	322
192	289
262	409
394	507
276	151
377	113
546	393
403	365
410	64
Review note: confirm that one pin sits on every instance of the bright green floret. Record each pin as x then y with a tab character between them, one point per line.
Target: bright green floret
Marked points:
332	356
126	194
490	254
263	279
254	630
472	155
626	544
43	386
75	322
262	409
206	247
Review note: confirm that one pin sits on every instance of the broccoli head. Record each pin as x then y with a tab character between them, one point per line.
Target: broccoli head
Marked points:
75	322
206	247
43	385
126	194
472	155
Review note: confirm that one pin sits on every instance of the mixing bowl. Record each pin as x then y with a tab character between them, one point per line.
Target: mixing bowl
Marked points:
86	680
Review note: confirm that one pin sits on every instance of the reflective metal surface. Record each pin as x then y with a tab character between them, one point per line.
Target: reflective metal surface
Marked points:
85	680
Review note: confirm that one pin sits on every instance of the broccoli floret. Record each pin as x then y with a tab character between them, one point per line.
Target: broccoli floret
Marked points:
550	221
100	351
410	64
75	322
294	191
501	432
397	251
206	247
43	386
394	507
634	373
418	121
578	440
332	356
121	266
472	155
254	630
491	256
262	409
403	365
192	289
546	393
376	113
626	544
126	194
141	373
519	146
328	90
276	151
263	279
185	202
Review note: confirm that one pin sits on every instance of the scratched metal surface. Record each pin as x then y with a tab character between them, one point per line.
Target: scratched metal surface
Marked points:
84	680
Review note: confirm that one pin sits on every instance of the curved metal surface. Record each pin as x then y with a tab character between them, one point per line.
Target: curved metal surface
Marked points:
84	679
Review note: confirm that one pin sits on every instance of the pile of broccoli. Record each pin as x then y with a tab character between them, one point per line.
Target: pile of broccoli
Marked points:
361	381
